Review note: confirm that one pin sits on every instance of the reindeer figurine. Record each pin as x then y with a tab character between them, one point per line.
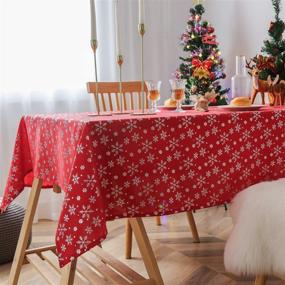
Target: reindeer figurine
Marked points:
261	86
275	90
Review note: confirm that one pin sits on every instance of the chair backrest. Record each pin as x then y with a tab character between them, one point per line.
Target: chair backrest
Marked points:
109	95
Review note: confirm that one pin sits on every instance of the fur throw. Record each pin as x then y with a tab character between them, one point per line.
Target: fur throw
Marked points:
257	242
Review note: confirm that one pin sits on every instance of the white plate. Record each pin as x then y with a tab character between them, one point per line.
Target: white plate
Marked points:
241	108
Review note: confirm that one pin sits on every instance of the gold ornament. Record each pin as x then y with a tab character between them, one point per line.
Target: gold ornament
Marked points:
201	73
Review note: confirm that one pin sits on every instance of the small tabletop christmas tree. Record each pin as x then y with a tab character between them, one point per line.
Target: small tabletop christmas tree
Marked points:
272	60
203	66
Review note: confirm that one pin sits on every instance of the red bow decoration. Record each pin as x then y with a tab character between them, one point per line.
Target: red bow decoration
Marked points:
264	62
206	64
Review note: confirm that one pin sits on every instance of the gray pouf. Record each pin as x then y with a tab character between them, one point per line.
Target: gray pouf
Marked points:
10	226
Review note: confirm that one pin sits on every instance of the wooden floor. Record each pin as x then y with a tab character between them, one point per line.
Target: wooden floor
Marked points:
181	262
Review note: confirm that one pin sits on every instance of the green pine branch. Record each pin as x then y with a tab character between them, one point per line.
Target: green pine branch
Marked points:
277	8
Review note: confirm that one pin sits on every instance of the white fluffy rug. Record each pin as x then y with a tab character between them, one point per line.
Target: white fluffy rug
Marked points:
257	242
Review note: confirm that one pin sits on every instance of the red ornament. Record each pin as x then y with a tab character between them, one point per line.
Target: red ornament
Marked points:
210	30
209	39
206	64
212	76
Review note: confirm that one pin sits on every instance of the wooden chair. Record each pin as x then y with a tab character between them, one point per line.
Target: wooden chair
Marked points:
109	97
109	101
94	267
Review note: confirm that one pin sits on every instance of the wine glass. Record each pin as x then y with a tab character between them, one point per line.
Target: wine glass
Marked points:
153	88
178	92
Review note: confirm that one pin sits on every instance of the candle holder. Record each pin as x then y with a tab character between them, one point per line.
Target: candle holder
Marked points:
141	29
94	46
120	61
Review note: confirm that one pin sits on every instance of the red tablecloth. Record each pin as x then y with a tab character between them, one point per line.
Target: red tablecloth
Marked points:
127	166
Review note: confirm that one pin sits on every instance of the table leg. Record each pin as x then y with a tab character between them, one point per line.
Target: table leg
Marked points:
260	280
68	273
158	221
129	236
193	227
25	232
146	250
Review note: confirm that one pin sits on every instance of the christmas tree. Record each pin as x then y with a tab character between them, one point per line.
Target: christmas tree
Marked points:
202	66
272	60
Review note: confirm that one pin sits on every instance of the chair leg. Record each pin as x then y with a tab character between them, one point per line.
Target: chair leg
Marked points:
158	221
129	239
260	280
146	250
68	273
193	227
25	232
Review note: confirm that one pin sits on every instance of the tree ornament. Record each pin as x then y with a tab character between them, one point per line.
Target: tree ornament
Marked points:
201	72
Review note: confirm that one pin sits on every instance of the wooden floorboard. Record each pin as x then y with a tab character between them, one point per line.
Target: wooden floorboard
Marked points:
181	261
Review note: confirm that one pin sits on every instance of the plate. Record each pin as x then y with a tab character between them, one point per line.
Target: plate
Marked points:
184	107
241	108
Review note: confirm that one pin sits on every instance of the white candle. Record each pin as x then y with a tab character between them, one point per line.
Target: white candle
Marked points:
93	20
141	11
117	29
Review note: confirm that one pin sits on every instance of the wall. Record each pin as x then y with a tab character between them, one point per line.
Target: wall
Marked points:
241	26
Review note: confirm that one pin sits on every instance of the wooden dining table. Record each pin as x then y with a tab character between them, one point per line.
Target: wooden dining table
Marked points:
126	166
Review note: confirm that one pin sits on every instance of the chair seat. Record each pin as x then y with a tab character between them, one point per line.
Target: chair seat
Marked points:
257	242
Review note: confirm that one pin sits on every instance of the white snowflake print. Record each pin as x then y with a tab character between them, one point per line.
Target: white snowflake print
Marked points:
102	170
121	160
163	135
235	117
147	189
116	191
71	210
61	230
131	125
186	122
161	166
135	137
267	133
75	179
212	120
90	181
83	242
133	168
200	140
117	148
101	127
188	163
173	143
190	133
224	138
159	123
174	185
277	114
68	240
79	148
86	211
133	210
146	146
96	222
104	140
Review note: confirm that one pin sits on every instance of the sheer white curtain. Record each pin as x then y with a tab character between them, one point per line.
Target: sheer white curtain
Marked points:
45	56
45	61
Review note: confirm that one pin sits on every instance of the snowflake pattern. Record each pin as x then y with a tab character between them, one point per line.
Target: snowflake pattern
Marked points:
114	167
